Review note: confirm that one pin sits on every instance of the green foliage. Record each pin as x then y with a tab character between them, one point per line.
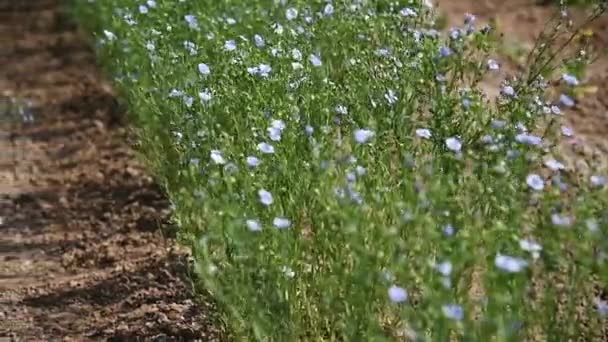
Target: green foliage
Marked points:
391	172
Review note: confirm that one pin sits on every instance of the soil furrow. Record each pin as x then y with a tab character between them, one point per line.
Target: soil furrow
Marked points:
82	253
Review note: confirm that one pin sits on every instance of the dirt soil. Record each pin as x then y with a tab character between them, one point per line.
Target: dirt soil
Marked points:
84	246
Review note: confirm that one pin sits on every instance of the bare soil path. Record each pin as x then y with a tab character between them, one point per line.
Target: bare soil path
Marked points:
83	247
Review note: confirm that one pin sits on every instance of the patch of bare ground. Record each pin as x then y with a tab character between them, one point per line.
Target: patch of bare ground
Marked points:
86	249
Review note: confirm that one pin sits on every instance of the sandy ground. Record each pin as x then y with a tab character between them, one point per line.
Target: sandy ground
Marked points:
85	246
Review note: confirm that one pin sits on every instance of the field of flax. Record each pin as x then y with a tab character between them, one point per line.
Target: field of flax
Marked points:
339	174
